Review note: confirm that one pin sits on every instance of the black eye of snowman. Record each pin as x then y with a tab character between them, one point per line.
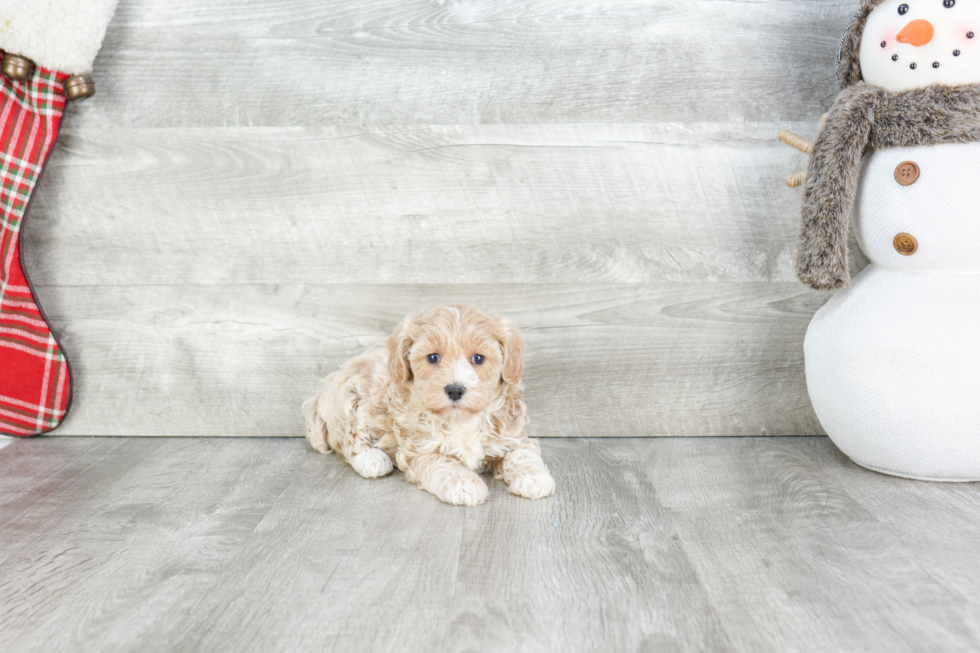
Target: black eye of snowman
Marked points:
935	64
956	53
903	9
949	3
969	35
913	66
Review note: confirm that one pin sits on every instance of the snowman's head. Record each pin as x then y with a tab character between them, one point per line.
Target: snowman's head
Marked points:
906	44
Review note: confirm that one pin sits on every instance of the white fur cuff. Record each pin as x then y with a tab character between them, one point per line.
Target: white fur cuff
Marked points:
62	35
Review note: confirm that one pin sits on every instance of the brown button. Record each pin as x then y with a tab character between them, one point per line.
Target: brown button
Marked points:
907	173
17	67
905	244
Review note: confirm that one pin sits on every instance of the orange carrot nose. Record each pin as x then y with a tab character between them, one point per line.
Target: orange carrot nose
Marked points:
918	32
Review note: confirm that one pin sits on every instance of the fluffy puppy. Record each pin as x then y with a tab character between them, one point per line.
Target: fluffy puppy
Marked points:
441	397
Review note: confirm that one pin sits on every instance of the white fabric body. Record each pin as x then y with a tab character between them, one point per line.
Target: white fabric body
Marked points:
893	361
63	35
891	66
941	210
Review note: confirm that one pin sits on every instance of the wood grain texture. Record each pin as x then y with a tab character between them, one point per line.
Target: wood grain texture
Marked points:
511	204
603	360
396	62
798	553
735	544
622	563
258	190
114	534
941	539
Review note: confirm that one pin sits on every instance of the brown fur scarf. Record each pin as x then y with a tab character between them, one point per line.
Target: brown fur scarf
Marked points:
866	116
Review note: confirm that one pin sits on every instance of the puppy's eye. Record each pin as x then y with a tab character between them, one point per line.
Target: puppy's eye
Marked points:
477	359
434	358
903	9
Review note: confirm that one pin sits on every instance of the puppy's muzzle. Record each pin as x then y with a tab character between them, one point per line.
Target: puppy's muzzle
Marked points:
455	391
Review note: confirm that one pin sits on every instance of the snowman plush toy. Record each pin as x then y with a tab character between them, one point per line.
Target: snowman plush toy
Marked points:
893	359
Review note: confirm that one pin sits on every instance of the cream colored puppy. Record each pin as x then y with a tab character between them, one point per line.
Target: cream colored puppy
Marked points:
442	399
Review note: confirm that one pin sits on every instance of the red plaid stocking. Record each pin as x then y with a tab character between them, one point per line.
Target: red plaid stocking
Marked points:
35	387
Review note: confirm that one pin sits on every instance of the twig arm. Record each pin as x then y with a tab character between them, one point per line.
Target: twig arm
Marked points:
793	140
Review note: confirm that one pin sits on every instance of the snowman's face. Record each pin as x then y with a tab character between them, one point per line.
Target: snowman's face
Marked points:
914	43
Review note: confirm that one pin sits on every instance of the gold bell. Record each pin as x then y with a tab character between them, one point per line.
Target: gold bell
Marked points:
17	67
79	87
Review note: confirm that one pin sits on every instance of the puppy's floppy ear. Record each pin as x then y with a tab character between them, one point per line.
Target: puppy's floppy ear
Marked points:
399	345
512	346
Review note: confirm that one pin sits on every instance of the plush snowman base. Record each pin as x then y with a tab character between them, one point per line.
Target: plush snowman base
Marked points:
918	478
893	372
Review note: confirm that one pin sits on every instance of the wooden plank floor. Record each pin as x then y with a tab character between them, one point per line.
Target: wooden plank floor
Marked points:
732	544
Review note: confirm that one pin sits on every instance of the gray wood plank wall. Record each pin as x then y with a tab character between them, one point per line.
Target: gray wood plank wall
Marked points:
260	190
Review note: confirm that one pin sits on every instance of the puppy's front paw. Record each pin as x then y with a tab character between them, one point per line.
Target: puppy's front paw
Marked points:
371	463
460	487
534	485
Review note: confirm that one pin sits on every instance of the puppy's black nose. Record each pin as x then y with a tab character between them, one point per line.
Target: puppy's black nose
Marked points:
455	391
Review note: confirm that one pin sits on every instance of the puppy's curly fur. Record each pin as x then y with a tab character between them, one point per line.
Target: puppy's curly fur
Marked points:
442	399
